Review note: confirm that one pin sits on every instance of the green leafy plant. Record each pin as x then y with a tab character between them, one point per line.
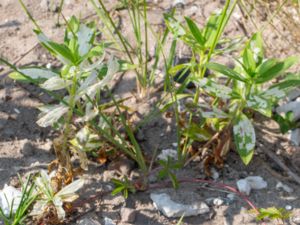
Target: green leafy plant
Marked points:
16	204
203	43
168	168
123	186
85	73
48	197
247	92
136	52
273	213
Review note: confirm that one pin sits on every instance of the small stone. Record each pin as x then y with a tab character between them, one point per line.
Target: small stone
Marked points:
293	106
192	10
295	136
167	153
296	219
178	3
256	182
108	221
49	66
171	209
128	215
35	164
281	186
1	68
288	207
175	144
218	201
17	111
214	173
251	182
243	186
231	197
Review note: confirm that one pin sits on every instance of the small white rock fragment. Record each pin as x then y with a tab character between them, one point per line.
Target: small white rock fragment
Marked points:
243	186
175	144
295	136
108	221
17	111
10	199
293	106
214	173
218	201
49	66
178	2
296	219
251	182
193	10
288	207
284	187
231	197
256	182
167	153
170	208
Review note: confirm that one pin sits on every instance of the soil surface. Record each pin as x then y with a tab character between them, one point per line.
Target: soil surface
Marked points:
26	147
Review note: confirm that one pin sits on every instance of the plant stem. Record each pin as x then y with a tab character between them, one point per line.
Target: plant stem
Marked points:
29	15
68	120
146	41
116	30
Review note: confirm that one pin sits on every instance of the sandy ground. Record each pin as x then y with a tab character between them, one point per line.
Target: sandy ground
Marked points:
25	147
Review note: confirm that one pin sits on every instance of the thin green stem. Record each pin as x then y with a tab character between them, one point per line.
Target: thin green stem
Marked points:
116	30
60	10
30	16
146	39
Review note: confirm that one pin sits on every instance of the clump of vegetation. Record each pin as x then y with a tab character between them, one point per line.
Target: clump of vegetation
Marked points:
216	115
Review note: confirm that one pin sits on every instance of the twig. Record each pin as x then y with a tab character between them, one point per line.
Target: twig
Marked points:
276	159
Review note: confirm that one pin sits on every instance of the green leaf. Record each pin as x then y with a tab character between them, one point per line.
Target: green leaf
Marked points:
249	61
195	31
175	69
286	84
124	65
117	190
213	88
85	36
32	73
174	26
174	180
253	53
61	51
244	137
197	133
273	213
225	71
55	83
260	104
210	29
271	70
